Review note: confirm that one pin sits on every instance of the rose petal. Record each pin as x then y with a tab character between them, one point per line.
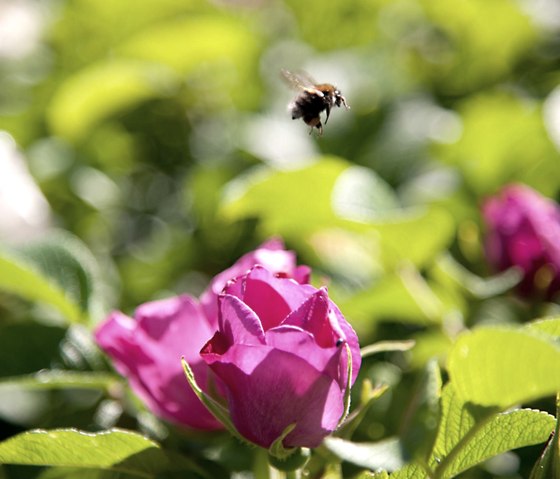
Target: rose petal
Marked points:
238	323
271	255
269	389
148	353
312	315
271	298
292	339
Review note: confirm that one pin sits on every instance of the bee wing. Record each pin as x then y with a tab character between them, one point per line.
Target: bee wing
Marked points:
301	81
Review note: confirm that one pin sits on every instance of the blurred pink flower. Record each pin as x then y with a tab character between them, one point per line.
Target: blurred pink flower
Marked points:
280	353
147	350
523	230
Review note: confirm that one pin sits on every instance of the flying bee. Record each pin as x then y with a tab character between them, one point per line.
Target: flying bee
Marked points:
313	99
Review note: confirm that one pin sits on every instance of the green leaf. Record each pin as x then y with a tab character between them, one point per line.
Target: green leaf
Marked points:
58	270
115	450
495	366
548	464
548	326
263	194
404	296
469	435
53	379
467	32
410	471
176	44
103	89
507	136
386	454
416	234
359	194
22	278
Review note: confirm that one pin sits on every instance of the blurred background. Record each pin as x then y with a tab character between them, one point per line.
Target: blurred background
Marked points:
156	133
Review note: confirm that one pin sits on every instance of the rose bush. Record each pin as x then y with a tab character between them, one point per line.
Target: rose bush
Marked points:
281	353
147	349
523	230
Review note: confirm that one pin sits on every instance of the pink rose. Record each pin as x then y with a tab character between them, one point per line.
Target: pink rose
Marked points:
280	352
271	255
523	230
147	350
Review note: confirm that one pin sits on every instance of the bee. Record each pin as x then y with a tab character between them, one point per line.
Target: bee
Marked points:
313	99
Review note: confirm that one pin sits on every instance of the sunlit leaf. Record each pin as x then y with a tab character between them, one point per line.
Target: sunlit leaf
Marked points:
403	297
504	139
495	366
470	32
101	90
282	200
410	471
318	20
52	379
59	270
469	435
549	326
177	44
115	450
21	277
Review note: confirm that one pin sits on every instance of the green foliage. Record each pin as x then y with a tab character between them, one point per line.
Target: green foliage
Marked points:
517	366
58	270
114	450
469	434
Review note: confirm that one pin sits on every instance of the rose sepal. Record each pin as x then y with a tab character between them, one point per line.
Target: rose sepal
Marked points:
217	410
287	459
348	384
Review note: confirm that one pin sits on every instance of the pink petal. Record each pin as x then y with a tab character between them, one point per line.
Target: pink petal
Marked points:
238	323
269	389
148	353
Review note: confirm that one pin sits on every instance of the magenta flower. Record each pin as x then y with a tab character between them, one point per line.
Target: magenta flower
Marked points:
280	352
523	230
271	255
147	350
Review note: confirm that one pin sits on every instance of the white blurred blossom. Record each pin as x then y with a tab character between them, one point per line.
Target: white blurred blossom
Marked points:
24	211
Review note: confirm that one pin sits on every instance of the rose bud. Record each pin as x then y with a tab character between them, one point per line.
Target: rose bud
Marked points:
271	255
523	230
147	350
282	353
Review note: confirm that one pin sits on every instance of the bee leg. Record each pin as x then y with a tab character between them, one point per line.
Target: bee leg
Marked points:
328	110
